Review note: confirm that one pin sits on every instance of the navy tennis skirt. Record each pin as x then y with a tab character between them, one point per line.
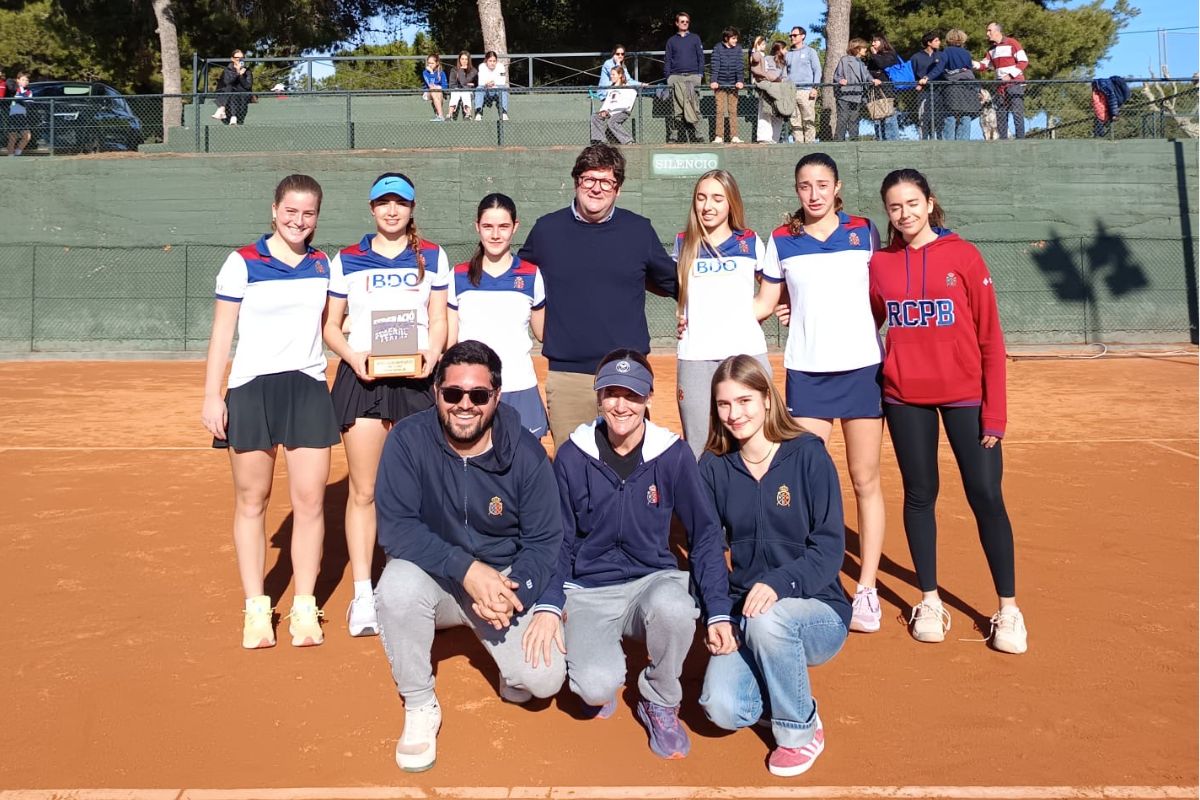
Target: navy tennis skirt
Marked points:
852	394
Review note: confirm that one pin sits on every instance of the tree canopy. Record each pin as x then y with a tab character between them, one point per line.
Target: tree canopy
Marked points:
1061	42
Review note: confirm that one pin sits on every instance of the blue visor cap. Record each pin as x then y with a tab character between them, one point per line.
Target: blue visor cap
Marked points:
393	185
627	373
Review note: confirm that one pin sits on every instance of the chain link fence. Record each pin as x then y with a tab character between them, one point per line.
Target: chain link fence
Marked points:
546	116
101	300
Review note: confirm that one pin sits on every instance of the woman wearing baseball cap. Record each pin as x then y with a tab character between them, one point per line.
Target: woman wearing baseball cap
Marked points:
392	269
623	479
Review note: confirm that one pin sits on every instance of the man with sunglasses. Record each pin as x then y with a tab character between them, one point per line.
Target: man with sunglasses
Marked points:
468	515
597	261
683	67
804	70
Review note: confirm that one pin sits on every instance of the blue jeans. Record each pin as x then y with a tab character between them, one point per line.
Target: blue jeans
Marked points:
772	663
887	129
498	95
956	127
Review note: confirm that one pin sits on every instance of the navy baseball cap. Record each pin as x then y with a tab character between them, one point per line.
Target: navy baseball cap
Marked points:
392	184
627	373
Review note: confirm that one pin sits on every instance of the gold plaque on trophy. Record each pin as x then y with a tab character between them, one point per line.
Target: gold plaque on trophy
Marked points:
394	352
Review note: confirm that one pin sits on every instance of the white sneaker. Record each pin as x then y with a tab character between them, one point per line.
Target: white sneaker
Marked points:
929	622
735	140
233	120
1008	631
479	117
417	749
220	113
718	140
504	117
512	694
361	617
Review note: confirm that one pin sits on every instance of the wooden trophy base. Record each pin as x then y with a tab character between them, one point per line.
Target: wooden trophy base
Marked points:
408	366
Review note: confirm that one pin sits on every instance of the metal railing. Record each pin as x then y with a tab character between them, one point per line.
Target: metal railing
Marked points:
106	300
545	116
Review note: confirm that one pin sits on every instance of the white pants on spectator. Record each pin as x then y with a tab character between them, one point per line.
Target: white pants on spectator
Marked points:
458	98
769	126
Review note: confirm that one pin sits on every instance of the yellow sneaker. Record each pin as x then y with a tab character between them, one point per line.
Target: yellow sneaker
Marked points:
256	627
305	625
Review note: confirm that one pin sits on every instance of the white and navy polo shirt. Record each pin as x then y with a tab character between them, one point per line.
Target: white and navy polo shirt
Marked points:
372	282
720	299
832	328
496	312
279	322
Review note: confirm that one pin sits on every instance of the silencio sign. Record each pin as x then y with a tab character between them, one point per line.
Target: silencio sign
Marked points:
683	164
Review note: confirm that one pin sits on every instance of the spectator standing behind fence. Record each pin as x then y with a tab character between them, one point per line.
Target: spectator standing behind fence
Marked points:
777	95
616	60
882	56
852	79
434	78
462	81
614	111
597	261
958	102
1007	58
233	90
17	115
493	86
727	73
927	66
804	70
683	67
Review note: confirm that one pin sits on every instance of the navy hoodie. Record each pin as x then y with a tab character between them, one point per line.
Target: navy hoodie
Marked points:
787	529
442	511
617	531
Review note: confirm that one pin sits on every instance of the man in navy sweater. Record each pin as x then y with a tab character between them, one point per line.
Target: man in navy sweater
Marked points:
683	67
469	518
927	66
597	261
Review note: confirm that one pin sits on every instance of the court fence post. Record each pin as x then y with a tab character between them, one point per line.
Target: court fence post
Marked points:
186	270
50	143
196	120
32	297
1089	302
349	123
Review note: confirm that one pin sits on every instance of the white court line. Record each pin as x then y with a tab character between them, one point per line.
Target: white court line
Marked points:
1172	449
624	793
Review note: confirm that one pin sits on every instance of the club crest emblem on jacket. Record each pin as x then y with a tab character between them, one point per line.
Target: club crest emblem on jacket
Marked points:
652	495
951	279
518	282
495	507
744	246
320	267
783	497
854	240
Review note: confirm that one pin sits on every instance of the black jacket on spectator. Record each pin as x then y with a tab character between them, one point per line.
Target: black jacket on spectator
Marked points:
231	89
464	78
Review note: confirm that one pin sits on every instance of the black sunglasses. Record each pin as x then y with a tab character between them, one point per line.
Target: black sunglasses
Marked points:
453	395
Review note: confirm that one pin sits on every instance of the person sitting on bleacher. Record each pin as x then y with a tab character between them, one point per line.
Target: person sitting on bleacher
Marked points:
492	86
618	102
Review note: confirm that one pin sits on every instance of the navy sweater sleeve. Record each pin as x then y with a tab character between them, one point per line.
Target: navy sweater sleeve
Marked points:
553	598
706	538
400	530
541	527
825	545
528	251
661	269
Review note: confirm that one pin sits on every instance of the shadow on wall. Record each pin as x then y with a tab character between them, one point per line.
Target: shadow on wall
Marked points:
1072	276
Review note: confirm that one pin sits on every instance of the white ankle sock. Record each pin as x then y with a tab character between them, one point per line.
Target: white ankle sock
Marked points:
362	588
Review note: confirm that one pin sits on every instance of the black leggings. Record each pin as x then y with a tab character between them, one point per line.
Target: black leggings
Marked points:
914	432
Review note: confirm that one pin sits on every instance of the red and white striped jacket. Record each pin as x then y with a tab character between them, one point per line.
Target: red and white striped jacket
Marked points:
1006	58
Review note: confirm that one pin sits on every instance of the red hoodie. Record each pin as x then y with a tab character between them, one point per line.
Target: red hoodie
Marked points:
944	343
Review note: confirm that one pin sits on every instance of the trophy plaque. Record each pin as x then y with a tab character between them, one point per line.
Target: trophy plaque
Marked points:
394	351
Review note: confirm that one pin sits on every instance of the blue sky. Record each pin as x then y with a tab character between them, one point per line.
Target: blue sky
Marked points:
1133	55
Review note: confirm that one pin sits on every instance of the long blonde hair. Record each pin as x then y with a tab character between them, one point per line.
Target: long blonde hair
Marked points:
744	369
694	236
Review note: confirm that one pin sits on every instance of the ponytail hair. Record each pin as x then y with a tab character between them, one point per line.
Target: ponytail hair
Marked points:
414	236
937	217
795	220
300	184
493	200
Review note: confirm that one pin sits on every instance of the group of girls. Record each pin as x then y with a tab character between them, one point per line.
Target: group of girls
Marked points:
824	273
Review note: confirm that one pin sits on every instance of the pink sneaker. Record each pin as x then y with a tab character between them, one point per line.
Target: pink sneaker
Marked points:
787	762
866	615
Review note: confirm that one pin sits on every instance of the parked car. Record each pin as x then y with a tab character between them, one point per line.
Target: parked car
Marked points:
88	117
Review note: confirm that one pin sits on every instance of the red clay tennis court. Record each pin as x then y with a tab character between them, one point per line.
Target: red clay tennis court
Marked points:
122	617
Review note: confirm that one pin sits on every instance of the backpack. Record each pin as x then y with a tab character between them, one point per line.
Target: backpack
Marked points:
901	75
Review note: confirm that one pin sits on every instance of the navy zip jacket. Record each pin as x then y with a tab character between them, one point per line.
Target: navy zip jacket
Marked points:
596	275
617	531
786	530
442	511
926	65
727	65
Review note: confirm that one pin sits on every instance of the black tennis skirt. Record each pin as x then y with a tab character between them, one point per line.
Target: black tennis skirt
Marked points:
286	408
384	398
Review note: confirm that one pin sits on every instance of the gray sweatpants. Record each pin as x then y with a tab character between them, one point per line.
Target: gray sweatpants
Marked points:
694	384
412	605
656	609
